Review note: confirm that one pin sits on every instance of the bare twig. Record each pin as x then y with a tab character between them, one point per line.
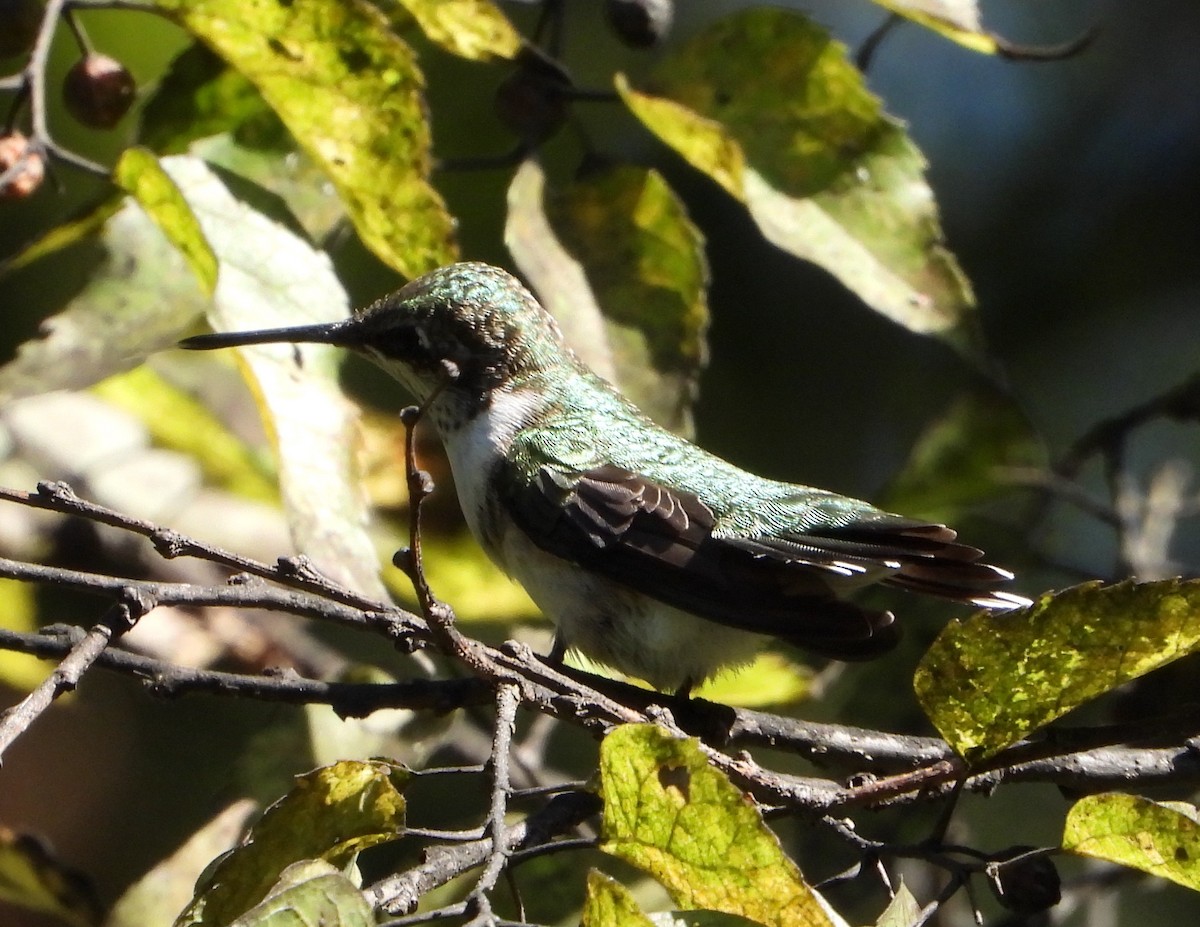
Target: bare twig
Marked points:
507	700
65	677
296	572
399	894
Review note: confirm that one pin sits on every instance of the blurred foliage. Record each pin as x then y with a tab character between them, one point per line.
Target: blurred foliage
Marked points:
289	160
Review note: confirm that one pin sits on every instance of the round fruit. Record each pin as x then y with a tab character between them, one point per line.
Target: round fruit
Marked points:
640	23
533	100
19	22
98	91
1027	884
27	166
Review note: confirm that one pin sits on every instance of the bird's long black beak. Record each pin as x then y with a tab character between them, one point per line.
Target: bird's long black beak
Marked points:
345	333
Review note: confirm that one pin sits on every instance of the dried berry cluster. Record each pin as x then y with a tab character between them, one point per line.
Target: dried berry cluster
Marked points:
97	91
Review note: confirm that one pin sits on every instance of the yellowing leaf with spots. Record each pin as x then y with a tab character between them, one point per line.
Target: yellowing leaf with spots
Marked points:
669	813
1161	838
350	92
332	813
988	681
475	29
768	105
611	904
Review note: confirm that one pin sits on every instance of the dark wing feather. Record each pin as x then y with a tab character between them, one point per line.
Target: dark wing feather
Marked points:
659	542
930	560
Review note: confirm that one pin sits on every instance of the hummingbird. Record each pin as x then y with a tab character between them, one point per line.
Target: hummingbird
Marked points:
649	554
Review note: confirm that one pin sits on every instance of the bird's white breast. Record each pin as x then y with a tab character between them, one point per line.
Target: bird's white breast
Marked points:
478	445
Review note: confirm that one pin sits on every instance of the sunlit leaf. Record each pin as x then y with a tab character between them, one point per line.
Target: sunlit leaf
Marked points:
959	460
161	893
271	277
1161	838
770	680
616	260
669	813
988	681
902	911
310	893
350	92
474	29
33	878
957	20
139	300
18	612
139	173
826	174
333	813
610	904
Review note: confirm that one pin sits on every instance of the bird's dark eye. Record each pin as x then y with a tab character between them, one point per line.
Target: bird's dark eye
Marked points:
403	342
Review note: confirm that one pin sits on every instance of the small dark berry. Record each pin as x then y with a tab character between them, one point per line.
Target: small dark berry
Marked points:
19	21
533	100
1026	885
640	23
98	91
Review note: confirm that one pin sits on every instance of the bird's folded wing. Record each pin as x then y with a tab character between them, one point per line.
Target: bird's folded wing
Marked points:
660	542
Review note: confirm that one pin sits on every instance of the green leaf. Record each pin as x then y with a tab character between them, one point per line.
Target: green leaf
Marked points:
161	893
351	94
616	260
271	277
31	877
988	681
139	173
826	174
310	893
959	460
332	813
669	813
85	225
18	612
474	29
771	680
201	96
902	911
139	300
957	20
610	904
1161	838
707	144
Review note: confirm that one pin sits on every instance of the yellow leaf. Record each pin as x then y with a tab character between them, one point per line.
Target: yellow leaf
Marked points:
669	813
988	681
1161	838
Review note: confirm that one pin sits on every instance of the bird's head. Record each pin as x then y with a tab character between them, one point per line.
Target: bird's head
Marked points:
471	323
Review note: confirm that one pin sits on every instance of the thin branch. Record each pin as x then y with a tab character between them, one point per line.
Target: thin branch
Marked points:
404	627
507	700
1181	403
400	894
866	52
296	572
169	680
65	677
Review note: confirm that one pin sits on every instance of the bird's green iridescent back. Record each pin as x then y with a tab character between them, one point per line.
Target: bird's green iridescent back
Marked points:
594	425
